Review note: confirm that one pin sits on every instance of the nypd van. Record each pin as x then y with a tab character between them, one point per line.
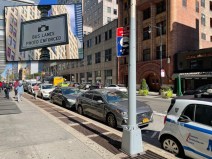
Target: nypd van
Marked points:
188	127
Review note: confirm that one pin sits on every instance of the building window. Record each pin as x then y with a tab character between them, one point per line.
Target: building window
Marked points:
96	40
100	38
108	9
108	73
146	54
110	34
108	19
211	22
10	40
184	3
106	37
108	55
163	52
197	6
115	11
161	7
211	5
89	59
203	36
163	25
203	19
14	44
89	43
146	34
8	52
203	3
97	57
14	32
146	13
97	73
196	64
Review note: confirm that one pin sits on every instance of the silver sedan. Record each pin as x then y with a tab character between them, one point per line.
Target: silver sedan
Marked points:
111	106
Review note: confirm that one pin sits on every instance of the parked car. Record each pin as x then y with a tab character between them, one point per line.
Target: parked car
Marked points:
111	106
64	96
200	89
44	90
188	127
119	87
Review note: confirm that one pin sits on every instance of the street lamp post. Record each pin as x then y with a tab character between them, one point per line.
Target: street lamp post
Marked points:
161	55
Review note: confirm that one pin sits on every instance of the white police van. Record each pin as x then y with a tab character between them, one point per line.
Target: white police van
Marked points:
188	127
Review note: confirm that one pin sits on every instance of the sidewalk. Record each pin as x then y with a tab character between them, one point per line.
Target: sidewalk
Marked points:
45	131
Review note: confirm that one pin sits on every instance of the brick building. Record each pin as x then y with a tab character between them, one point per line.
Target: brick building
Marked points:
186	25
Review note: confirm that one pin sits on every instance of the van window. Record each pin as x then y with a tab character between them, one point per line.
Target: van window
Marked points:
189	111
203	114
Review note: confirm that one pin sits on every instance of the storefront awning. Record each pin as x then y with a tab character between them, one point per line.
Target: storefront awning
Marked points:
203	75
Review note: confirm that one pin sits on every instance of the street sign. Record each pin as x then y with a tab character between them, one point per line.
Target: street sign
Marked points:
45	32
122	42
162	73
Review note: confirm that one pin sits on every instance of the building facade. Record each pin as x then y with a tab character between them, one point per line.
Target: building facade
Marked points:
185	25
99	63
97	13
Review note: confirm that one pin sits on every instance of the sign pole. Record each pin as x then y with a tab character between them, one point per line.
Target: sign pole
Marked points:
44	13
131	138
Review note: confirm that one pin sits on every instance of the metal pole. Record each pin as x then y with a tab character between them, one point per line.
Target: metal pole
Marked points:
161	56
131	138
44	13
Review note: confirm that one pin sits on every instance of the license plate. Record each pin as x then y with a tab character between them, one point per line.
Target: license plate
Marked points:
145	120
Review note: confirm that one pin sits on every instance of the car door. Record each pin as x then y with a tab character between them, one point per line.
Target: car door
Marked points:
97	107
86	102
197	133
59	96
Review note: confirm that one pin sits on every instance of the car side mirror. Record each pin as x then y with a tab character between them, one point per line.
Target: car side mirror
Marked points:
100	101
184	119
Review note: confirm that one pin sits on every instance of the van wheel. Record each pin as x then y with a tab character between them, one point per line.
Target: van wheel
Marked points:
64	104
172	145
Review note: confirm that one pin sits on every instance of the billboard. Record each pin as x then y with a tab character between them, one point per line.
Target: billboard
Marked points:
43	33
31	34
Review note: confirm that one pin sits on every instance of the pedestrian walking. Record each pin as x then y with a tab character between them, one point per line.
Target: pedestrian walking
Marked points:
3	85
35	88
7	90
20	91
16	84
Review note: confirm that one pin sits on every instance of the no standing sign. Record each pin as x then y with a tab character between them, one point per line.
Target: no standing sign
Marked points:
45	32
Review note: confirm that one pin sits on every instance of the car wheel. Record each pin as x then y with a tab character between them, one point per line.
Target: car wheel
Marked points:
172	145
64	104
41	96
111	120
52	101
80	110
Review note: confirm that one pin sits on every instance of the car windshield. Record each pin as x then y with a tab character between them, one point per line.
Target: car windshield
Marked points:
70	91
47	87
33	84
202	87
117	96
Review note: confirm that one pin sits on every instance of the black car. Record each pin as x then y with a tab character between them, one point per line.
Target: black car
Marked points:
64	96
200	89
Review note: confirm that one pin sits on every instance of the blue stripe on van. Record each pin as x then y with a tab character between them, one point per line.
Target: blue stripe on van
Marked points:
197	152
192	127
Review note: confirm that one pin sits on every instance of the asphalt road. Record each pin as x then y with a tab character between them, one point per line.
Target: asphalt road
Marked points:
157	104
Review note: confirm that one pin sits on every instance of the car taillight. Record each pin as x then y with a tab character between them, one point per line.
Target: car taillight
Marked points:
165	119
